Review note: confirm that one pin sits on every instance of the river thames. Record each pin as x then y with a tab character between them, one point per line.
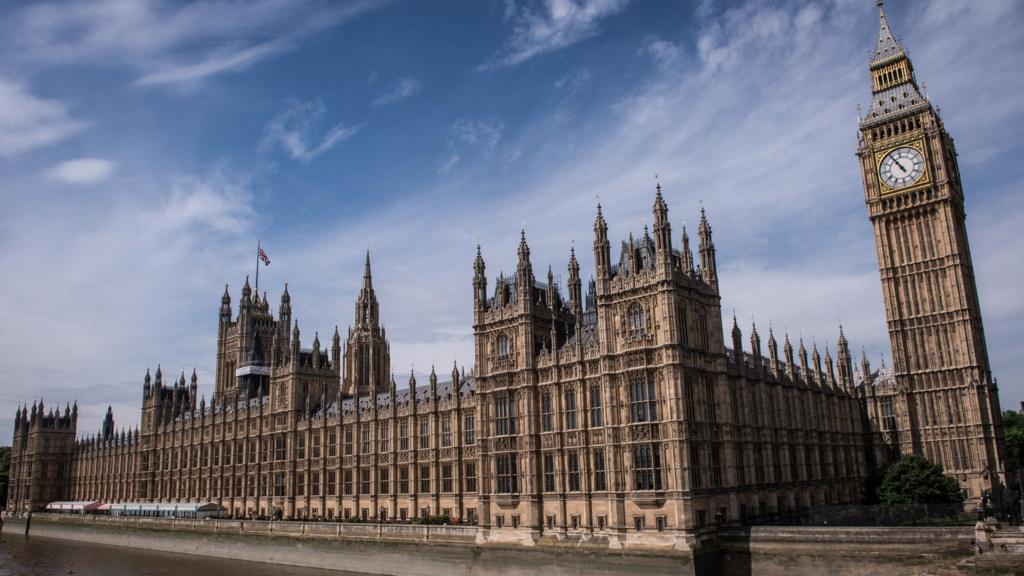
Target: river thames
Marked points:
40	556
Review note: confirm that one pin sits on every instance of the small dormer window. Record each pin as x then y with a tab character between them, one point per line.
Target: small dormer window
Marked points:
635	314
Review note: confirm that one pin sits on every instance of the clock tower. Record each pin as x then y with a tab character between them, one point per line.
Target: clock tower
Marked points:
943	395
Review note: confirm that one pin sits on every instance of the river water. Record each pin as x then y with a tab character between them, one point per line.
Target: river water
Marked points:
40	556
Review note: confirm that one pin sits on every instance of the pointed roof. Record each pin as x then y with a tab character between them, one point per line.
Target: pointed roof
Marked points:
367	274
887	47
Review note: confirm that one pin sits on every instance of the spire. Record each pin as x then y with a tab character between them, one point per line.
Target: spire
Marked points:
708	266
887	47
367	274
524	268
602	249
755	341
687	253
225	305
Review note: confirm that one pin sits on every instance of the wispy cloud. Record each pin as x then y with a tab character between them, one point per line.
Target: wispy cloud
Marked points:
295	130
551	26
28	122
167	42
404	89
479	135
83	170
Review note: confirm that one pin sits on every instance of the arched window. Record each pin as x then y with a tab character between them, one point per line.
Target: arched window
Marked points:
503	346
636	319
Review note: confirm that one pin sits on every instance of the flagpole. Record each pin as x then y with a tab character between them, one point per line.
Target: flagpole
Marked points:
257	268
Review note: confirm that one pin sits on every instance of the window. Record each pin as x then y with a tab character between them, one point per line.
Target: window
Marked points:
659	523
503	346
507	477
888	415
424	479
684	337
300	447
332	484
635	316
696	479
570	409
549	472
596	413
716	465
446	432
505	411
709	401
279	484
424	433
364	439
741	466
599	478
332	443
300	484
252	452
470	468
574	472
642	405
314	484
545	412
348	441
646	467
316	445
364	481
383	432
602	522
470	428
279	447
446	477
638	523
702	327
384	484
403	435
403	480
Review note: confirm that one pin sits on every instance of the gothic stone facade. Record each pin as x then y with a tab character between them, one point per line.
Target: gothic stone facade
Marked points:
622	413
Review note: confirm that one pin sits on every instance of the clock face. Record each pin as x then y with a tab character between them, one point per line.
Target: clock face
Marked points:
901	167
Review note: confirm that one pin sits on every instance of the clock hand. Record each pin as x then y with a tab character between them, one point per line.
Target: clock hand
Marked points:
900	164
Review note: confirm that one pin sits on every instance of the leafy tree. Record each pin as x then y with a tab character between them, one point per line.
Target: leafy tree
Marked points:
915	480
5	470
1013	437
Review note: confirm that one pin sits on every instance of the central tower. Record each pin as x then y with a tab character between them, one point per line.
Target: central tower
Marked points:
367	352
945	401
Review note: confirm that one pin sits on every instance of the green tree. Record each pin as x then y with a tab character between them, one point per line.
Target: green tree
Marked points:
1013	437
5	470
915	480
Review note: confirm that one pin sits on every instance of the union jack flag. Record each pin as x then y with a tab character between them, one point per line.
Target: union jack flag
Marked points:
264	257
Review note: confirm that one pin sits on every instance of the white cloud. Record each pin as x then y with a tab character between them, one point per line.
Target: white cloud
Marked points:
294	129
554	25
28	122
480	136
404	89
83	170
167	42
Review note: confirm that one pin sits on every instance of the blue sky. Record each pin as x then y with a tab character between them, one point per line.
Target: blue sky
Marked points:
146	146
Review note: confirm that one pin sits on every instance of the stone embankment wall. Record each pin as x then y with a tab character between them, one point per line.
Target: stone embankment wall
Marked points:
454	550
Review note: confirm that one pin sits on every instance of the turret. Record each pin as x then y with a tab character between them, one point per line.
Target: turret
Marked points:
845	360
108	424
146	385
225	306
336	350
602	248
755	343
433	386
773	352
246	301
737	341
524	271
412	390
816	359
662	231
295	344
805	369
284	311
830	372
865	368
787	349
316	350
479	281
575	286
707	252
687	254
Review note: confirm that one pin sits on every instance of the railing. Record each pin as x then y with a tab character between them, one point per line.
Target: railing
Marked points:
872	515
327	529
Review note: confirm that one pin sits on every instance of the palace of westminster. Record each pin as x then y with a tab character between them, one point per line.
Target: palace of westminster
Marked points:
620	410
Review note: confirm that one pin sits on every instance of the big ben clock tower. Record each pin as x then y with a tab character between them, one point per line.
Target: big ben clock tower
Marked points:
944	398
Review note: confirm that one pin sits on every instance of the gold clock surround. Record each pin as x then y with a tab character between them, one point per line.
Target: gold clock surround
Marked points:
924	180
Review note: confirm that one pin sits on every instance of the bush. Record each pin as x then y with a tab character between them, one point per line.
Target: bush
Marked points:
433	520
915	480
